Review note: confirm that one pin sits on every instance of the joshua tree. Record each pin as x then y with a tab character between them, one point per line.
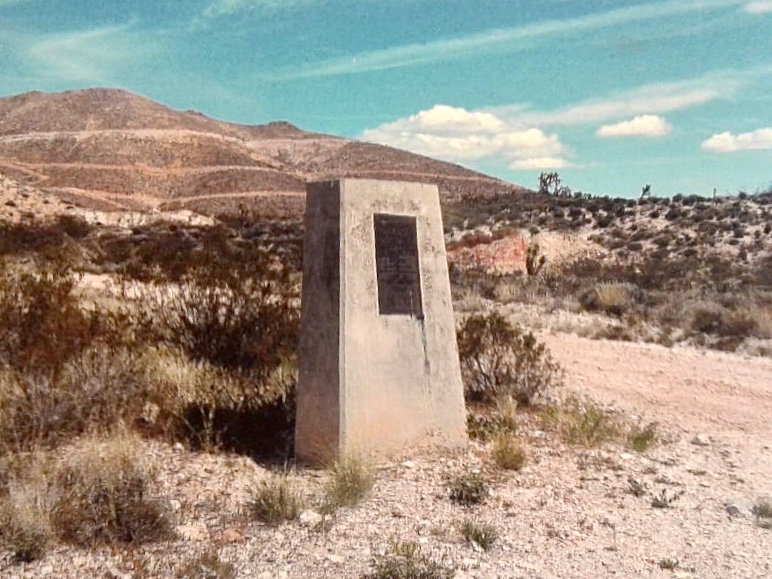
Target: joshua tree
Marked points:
549	183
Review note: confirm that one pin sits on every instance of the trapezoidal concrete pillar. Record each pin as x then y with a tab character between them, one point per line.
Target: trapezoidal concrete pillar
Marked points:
379	368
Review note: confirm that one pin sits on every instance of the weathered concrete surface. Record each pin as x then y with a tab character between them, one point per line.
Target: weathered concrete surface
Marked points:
371	382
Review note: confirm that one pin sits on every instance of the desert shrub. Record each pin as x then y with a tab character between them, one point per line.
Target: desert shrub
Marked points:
41	322
610	298
583	422
349	481
102	494
239	317
468	489
642	438
717	320
501	360
44	239
93	393
275	500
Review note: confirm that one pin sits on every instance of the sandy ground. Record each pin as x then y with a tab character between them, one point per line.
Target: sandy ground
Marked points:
727	397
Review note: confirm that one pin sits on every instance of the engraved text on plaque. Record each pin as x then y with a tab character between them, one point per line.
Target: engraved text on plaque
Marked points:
396	262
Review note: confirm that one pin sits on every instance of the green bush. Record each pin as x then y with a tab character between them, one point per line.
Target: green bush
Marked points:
501	360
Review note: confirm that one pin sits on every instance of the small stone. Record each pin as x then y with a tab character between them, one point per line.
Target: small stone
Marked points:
408	464
701	440
337	559
309	518
732	510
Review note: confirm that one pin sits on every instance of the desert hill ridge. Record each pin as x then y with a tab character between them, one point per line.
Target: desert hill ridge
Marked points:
114	150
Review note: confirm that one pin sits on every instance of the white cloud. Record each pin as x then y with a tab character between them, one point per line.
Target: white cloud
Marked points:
539	164
501	40
458	135
759	7
727	142
93	55
641	126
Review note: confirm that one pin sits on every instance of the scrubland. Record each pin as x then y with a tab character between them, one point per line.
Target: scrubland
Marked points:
147	383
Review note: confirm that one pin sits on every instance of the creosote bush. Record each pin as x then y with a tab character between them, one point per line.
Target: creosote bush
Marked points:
501	360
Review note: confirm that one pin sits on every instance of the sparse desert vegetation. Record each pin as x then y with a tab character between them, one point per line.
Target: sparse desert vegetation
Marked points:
147	381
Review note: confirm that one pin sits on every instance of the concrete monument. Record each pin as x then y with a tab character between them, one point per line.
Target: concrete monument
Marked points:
379	368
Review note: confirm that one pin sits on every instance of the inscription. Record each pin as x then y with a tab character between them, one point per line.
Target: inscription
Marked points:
396	264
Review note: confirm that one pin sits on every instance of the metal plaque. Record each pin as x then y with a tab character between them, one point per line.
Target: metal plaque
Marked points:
396	263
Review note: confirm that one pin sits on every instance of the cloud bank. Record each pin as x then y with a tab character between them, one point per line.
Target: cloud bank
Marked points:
726	142
458	135
650	126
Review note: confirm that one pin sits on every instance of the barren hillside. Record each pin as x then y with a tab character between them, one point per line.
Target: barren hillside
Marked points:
107	147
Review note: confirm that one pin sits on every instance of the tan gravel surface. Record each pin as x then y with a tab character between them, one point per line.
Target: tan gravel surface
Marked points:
568	514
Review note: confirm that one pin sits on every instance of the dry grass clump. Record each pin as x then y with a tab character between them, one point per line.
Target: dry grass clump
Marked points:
642	438
208	565
485	422
480	534
102	494
349	480
95	490
405	561
762	510
508	452
275	500
608	297
26	529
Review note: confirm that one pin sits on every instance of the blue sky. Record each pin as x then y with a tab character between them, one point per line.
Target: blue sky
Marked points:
611	94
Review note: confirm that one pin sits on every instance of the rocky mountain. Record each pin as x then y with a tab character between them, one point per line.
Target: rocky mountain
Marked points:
111	149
